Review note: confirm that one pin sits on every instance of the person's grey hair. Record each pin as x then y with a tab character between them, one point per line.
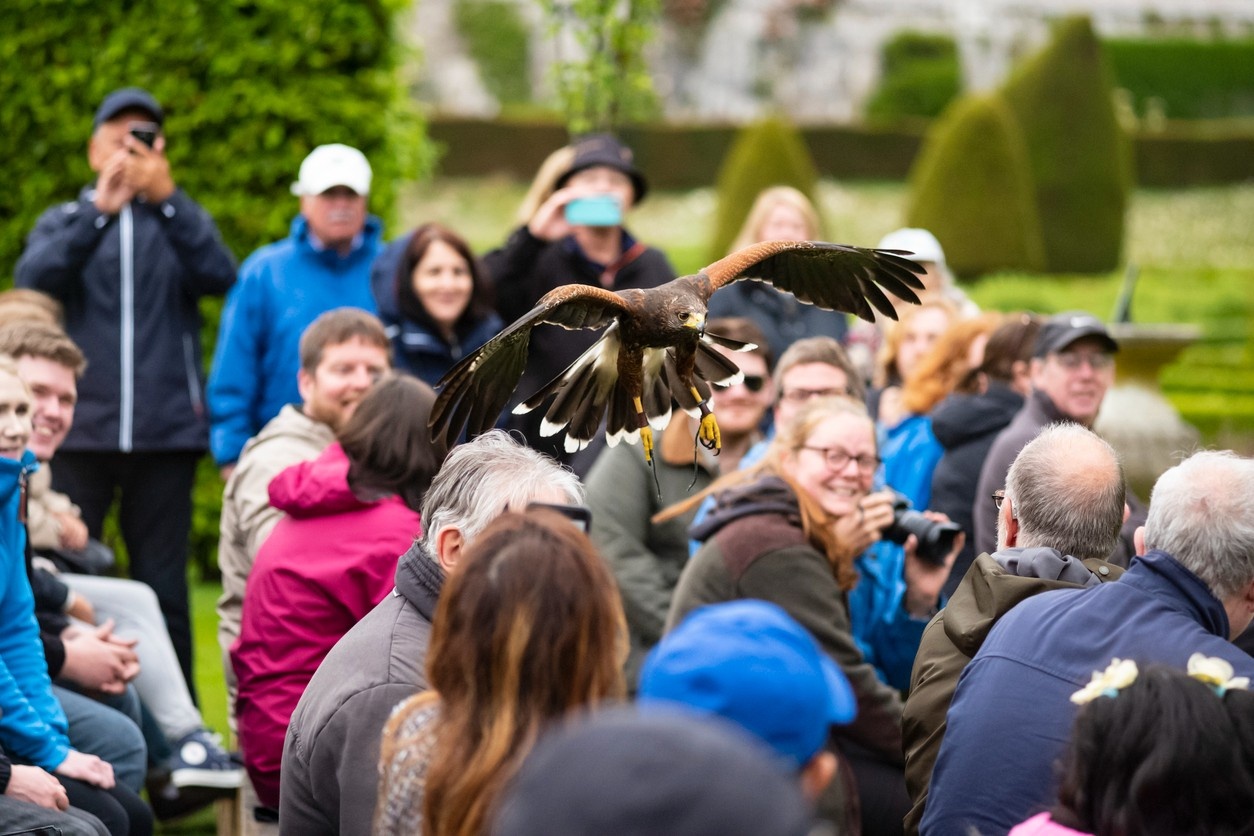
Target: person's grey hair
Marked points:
1063	496
485	476
1202	514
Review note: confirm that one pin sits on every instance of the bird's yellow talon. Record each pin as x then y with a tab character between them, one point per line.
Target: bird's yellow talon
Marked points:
646	441
708	432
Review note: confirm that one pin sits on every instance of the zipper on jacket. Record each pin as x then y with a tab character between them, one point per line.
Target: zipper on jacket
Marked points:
193	380
126	362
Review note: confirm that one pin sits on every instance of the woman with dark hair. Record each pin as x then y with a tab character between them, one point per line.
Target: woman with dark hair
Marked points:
1157	753
967	422
790	530
351	513
529	630
443	304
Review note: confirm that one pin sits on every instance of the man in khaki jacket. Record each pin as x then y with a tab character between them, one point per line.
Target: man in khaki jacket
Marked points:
342	354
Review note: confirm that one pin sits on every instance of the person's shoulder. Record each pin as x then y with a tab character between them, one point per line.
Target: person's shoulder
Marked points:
266	256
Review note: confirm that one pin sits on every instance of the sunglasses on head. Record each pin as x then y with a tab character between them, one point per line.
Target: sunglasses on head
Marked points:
752	382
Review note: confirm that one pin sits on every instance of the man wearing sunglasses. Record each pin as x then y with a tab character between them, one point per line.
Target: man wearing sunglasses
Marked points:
1073	365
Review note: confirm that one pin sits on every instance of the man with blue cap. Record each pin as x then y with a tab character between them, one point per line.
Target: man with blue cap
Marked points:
750	662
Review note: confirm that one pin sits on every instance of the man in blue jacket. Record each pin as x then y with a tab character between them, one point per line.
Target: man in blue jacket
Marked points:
323	264
129	261
1192	591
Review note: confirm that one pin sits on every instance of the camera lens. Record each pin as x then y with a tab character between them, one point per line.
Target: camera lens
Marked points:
936	540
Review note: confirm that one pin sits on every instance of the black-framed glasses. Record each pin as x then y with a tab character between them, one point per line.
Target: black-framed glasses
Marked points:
997	497
580	515
837	458
752	382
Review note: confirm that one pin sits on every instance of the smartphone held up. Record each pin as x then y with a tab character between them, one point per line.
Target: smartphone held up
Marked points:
145	132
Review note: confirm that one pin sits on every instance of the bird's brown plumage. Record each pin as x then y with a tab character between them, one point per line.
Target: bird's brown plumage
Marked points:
654	348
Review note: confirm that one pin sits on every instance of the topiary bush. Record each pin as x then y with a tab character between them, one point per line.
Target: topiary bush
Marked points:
500	43
972	188
767	153
921	76
1080	157
249	88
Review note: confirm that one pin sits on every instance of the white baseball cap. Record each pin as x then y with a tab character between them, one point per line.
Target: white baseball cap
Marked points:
921	243
328	166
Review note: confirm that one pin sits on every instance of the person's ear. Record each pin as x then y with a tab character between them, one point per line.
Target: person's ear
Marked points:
304	385
1010	524
448	547
817	774
1138	541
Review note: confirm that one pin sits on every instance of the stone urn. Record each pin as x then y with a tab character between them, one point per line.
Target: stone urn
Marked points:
1137	420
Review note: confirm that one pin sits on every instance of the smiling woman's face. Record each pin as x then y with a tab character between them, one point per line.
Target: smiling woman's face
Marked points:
15	414
836	490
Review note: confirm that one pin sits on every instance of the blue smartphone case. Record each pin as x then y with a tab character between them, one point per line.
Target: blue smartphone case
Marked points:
597	210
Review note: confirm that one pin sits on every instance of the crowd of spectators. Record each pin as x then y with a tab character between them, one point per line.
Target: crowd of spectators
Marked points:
912	593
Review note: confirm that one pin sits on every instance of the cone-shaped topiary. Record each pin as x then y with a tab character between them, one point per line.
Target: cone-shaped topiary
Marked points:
1080	157
971	187
767	153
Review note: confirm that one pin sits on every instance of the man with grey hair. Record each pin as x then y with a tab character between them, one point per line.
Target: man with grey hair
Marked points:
330	757
1059	518
1191	591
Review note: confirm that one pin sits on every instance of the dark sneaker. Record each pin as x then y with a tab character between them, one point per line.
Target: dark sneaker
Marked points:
199	761
170	803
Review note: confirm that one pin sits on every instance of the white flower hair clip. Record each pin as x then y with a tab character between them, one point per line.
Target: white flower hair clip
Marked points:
1119	674
1217	673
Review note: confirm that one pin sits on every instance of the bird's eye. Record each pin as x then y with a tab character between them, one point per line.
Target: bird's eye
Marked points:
683	316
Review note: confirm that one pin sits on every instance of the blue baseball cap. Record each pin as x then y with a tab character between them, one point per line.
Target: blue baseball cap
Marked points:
752	663
128	98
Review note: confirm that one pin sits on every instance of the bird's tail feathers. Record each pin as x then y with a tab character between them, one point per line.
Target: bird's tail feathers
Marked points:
727	342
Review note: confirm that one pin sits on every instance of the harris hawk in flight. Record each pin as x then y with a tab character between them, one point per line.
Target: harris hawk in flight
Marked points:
655	348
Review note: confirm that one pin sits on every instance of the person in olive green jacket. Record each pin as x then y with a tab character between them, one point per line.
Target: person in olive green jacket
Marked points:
1060	516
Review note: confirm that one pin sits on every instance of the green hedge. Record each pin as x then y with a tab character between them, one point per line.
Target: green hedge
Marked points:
248	87
1081	165
921	76
1192	79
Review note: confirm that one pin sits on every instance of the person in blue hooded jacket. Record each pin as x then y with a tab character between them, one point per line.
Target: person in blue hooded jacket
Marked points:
434	300
324	263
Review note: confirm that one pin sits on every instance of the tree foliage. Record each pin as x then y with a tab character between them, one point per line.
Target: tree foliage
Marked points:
921	76
604	82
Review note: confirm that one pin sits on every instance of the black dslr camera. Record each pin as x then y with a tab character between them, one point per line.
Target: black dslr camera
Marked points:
936	540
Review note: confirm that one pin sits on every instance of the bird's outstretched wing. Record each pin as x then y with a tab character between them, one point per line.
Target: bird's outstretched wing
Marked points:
473	392
834	276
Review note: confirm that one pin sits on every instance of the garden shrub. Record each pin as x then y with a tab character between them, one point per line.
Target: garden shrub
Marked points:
499	42
1080	157
921	75
768	153
1193	79
249	88
972	187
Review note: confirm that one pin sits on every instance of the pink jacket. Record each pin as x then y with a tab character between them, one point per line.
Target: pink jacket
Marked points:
1042	825
325	565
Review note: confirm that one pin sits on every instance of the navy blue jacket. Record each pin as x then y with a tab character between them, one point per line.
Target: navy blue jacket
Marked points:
130	284
1011	716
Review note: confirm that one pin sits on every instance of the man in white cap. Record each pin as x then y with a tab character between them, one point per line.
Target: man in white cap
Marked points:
323	264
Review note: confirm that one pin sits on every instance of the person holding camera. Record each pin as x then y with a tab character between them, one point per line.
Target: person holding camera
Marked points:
129	260
789	530
576	236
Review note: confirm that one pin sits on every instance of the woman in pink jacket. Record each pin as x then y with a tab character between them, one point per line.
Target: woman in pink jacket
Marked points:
351	513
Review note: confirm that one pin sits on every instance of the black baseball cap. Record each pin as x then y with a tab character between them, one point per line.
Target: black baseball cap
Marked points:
1061	330
606	150
128	98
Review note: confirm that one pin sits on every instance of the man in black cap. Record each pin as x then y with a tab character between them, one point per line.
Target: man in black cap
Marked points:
1072	366
129	260
577	236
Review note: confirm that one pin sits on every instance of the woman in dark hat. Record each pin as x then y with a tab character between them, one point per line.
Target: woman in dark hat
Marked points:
578	236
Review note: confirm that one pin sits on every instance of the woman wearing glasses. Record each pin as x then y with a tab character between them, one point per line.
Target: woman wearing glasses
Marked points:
647	557
789	531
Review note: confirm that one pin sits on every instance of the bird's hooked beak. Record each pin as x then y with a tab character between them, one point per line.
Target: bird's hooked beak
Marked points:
696	321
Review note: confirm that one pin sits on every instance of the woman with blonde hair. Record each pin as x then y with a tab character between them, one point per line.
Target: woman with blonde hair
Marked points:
793	530
529	629
780	213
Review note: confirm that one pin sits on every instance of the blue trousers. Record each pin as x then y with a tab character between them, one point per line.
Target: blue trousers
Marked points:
107	733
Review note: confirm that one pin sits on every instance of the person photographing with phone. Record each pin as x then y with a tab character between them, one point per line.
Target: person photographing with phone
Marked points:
576	236
129	260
